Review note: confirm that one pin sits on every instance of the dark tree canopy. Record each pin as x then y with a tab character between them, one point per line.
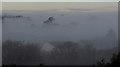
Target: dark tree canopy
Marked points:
49	20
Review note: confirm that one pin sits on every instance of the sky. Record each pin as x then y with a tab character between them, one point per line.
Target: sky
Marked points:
60	0
61	7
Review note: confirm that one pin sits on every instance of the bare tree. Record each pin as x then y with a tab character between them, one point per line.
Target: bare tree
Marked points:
64	54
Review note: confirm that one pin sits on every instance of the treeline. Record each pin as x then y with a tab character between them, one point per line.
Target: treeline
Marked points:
3	17
68	53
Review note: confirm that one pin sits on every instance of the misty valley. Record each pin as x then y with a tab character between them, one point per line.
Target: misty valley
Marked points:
58	38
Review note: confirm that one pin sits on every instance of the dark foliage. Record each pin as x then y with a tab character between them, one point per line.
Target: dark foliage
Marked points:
19	53
49	20
67	53
115	61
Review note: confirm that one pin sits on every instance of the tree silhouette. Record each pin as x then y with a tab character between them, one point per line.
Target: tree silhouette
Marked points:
65	53
49	20
16	52
115	61
4	17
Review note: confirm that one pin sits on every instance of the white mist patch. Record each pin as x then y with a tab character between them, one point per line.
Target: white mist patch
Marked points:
47	47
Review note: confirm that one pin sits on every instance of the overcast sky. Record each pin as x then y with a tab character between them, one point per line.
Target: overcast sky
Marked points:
64	7
63	0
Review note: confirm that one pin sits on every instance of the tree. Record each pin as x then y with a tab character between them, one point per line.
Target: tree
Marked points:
115	61
64	54
20	53
111	34
49	20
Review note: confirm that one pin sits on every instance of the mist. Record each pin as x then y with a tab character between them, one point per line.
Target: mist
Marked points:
75	35
66	27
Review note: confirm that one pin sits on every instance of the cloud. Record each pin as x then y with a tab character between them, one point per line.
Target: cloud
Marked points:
82	10
60	0
74	10
104	9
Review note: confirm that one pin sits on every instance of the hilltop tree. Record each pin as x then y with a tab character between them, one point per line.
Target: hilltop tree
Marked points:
49	20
